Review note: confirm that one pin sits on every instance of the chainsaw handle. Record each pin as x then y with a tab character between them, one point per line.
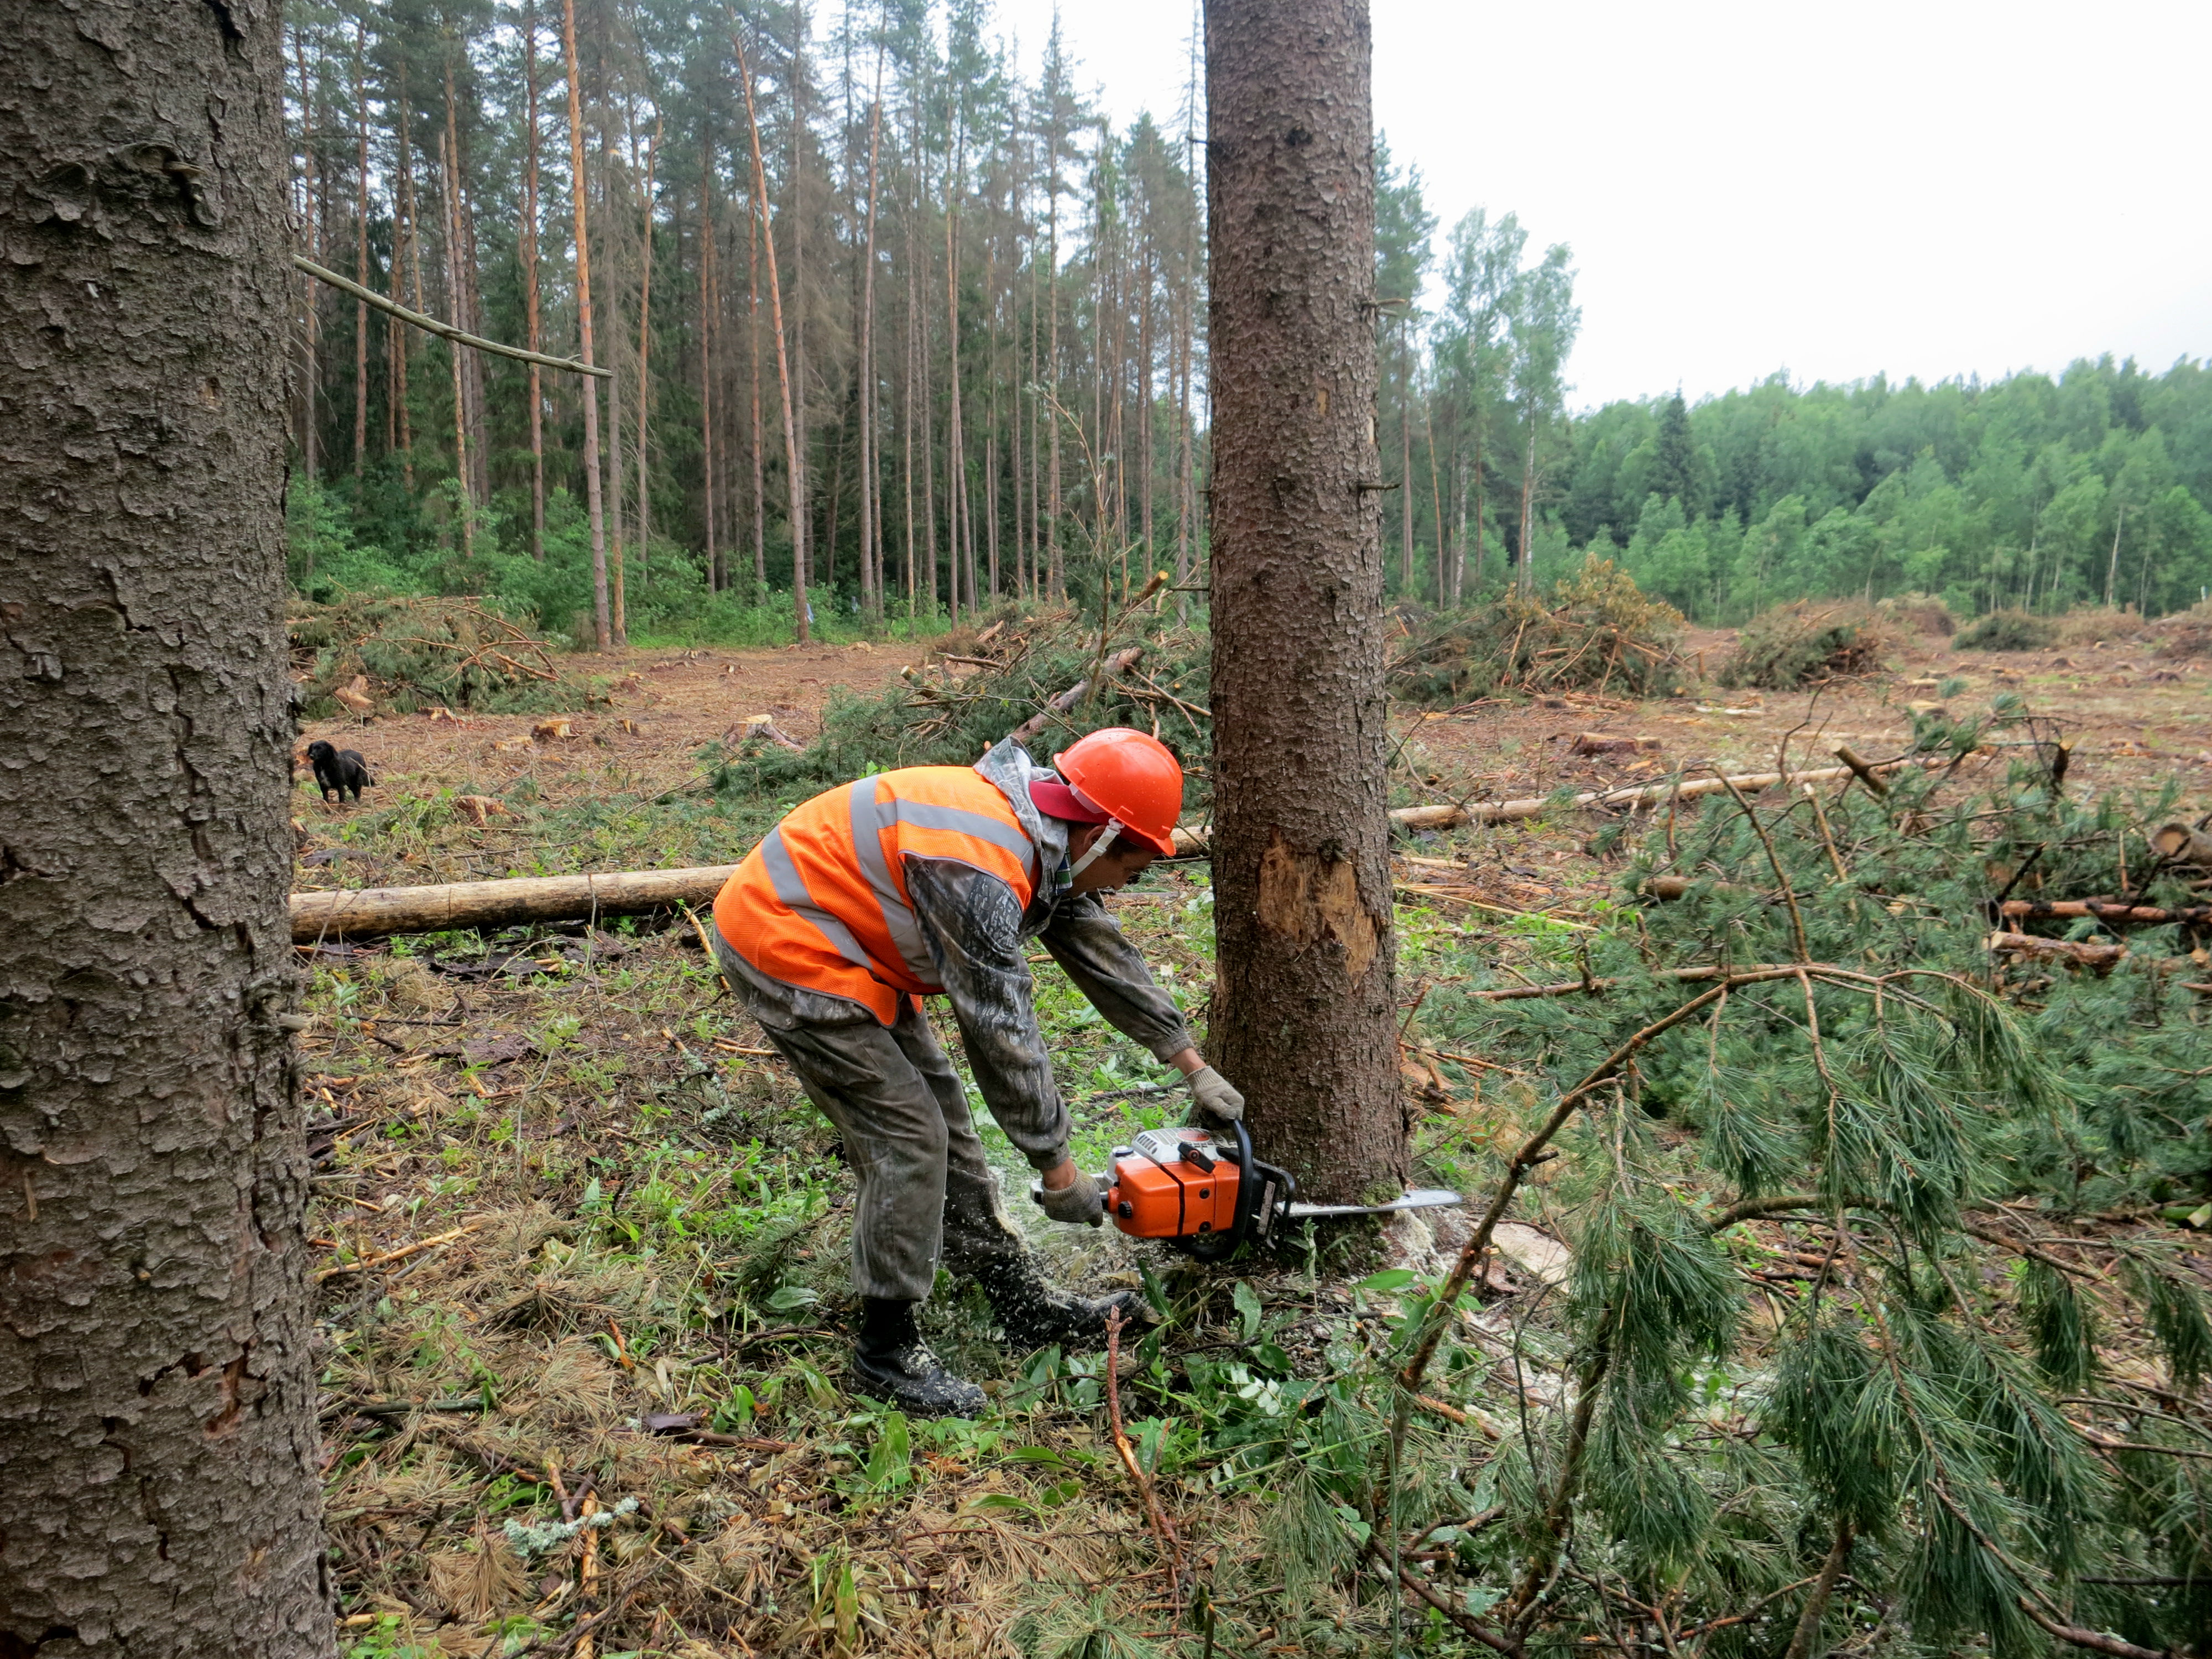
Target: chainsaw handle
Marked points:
1219	1246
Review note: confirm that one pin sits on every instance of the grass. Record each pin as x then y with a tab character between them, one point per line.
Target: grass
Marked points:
652	1223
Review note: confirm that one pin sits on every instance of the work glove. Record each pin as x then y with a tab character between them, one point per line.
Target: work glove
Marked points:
1081	1203
1216	1096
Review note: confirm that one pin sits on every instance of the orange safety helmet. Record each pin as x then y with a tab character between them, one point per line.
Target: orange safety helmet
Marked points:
1133	777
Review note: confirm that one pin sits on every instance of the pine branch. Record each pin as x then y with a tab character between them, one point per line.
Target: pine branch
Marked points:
2096	1642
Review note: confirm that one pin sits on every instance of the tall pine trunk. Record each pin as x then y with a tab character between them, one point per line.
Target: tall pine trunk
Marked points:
1302	1020
1527	573
955	452
602	614
411	212
872	567
1056	567
796	477
795	384
645	356
361	252
157	1372
760	455
707	363
311	290
528	254
449	202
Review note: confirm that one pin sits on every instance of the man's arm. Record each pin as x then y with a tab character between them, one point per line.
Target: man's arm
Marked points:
972	923
1106	968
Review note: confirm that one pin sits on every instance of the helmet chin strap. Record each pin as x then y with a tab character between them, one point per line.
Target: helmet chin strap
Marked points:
1107	832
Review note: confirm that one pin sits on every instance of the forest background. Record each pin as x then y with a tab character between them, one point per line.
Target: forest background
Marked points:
982	306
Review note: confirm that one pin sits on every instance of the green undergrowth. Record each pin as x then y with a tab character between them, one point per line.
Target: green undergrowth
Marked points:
1881	1243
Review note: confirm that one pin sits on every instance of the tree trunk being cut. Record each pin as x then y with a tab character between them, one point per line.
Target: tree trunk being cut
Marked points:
158	1444
1304	1019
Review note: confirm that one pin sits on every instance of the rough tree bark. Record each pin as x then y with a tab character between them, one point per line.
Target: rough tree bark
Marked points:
157	1394
1304	1020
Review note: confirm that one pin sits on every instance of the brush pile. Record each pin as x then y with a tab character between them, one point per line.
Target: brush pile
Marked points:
2187	634
1805	644
2008	630
1597	632
1138	666
1919	613
410	653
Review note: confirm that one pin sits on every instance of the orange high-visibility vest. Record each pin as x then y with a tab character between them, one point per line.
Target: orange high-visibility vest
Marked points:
822	903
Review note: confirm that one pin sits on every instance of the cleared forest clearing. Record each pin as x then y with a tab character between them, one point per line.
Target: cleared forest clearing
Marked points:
581	1241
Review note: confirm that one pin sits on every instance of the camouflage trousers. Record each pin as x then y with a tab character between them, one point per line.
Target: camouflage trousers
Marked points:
927	1198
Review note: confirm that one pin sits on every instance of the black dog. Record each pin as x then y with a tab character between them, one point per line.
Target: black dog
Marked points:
339	769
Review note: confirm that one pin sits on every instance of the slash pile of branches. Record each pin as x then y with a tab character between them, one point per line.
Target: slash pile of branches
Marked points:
410	652
1056	671
1597	632
1885	1330
1805	644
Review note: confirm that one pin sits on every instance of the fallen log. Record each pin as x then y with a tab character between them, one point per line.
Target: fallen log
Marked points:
2183	843
1503	811
2108	911
2081	953
372	912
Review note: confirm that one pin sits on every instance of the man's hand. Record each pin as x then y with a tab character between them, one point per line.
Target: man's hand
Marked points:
1216	1096
1067	1195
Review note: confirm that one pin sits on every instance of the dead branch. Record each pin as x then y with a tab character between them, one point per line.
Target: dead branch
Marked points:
2081	953
445	330
1592	987
2111	913
1162	1531
1114	664
2093	1640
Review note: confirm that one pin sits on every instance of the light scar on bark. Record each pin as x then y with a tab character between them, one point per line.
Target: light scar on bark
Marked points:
1306	898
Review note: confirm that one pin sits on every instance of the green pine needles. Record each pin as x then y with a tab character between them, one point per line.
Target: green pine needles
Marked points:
1879	1337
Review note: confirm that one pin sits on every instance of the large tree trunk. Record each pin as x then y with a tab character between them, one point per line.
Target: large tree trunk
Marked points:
157	1390
1304	1020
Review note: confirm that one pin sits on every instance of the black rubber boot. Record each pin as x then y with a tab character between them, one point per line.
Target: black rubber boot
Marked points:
980	1243
1035	1312
891	1362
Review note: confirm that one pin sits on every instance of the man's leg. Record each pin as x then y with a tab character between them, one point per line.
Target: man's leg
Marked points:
979	1242
895	1140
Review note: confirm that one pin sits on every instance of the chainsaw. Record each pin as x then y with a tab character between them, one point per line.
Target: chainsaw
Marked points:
1201	1191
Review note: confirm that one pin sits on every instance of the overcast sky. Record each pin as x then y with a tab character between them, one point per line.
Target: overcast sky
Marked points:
1922	187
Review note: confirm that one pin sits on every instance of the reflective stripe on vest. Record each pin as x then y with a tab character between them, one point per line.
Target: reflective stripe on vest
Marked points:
822	902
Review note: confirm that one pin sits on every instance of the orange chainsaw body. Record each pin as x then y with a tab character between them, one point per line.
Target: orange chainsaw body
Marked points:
1174	1183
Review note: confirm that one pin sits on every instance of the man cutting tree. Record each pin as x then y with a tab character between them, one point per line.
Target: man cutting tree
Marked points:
931	879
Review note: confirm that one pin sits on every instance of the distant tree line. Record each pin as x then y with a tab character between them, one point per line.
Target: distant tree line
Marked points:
2035	491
